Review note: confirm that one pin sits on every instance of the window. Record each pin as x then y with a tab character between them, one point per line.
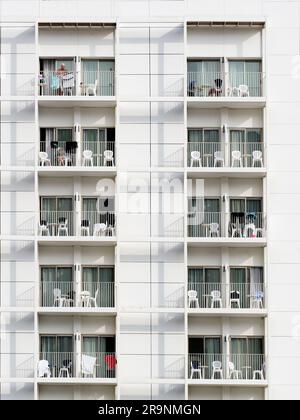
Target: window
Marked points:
99	74
202	212
248	281
99	278
246	72
56	278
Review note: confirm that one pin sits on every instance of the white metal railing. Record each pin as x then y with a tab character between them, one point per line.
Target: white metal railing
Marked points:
233	225
61	364
59	153
98	223
57	83
233	295
76	365
232	366
103	153
233	154
66	153
98	365
205	84
56	223
97	83
63	294
234	84
64	83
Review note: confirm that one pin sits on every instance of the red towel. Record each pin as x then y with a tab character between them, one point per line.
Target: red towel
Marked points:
111	361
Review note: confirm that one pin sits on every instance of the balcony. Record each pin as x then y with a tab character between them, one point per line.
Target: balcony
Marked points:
219	89
69	83
221	84
67	365
64	155
64	226
233	297
226	157
221	368
232	225
64	296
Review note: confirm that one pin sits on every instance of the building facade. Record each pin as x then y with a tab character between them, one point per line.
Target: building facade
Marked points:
149	199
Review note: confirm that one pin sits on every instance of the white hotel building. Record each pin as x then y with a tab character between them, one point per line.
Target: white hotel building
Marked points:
150	199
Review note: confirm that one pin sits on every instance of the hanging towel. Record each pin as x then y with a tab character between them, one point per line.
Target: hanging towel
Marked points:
68	80
88	364
111	361
54	82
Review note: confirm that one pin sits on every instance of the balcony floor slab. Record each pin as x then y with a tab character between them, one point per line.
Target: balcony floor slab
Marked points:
69	171
226	102
228	382
227	242
217	312
52	311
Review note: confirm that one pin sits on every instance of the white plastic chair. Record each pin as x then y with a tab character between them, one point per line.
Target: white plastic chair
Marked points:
93	300
43	157
257	158
108	157
62	226
214	230
43	228
99	229
58	298
65	369
257	300
217	368
244	90
234	298
234	372
196	368
215	298
219	158
195	157
192	298
91	89
87	158
43	369
236	156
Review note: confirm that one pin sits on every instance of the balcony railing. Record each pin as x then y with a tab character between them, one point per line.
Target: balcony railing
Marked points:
212	84
97	83
64	295
234	154
94	223
56	223
232	225
61	153
70	223
71	83
72	365
233	295
233	366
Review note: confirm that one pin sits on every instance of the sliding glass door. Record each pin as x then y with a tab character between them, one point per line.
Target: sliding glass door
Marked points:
103	349
201	213
55	282
58	351
247	354
204	76
246	72
207	142
204	280
204	351
99	74
99	281
248	282
57	210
